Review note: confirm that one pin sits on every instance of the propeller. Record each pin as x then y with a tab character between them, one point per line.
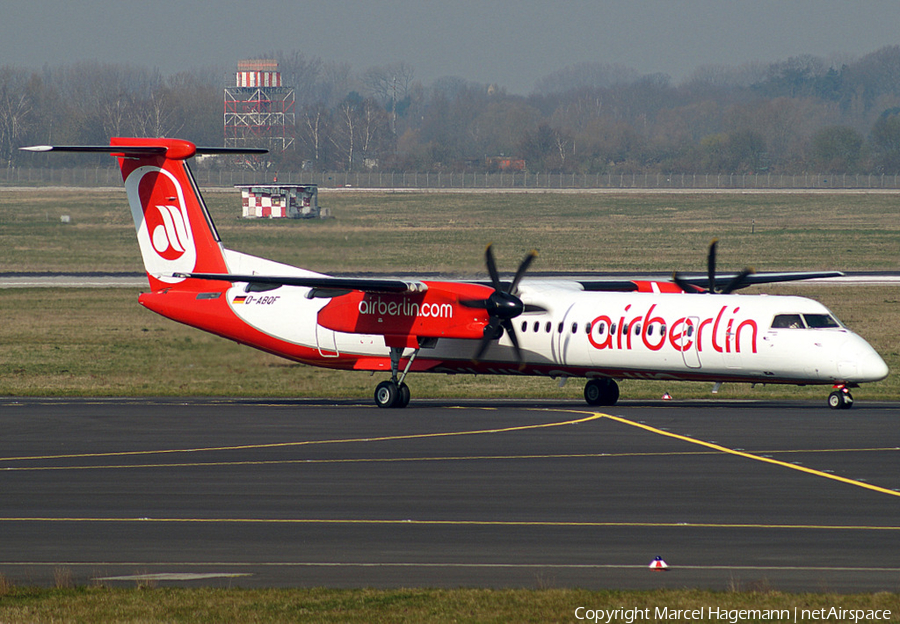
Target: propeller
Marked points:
736	282
502	305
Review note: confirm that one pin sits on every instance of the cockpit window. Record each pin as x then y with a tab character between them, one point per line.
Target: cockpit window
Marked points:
819	321
803	321
788	321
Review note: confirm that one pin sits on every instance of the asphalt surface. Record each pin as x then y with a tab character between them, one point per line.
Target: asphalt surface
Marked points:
732	495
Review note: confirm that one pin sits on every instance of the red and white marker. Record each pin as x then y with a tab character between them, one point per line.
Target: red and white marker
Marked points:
659	564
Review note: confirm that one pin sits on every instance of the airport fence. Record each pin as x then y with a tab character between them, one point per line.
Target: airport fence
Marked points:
110	176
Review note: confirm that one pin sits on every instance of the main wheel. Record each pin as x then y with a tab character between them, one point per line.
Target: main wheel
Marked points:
403	399
603	391
386	394
389	394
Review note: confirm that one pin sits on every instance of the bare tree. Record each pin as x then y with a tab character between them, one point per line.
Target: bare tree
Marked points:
15	111
389	83
314	124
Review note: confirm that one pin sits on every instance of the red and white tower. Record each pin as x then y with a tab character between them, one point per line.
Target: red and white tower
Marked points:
259	110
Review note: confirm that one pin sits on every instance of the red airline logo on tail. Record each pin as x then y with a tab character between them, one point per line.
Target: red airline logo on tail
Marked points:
164	234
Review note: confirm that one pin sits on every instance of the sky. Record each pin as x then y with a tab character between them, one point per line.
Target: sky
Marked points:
512	43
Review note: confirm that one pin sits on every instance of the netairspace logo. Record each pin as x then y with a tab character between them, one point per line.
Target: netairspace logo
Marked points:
732	616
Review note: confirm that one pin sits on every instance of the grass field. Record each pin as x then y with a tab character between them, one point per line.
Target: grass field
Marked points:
447	233
98	604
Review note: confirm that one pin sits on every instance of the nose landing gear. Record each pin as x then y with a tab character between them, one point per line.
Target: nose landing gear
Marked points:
840	398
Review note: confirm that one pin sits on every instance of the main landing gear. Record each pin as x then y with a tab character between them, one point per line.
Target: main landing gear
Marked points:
395	393
840	398
603	391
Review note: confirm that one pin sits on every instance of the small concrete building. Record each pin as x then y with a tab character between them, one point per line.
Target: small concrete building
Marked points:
292	201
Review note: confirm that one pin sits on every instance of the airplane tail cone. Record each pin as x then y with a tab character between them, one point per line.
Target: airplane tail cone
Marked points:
658	565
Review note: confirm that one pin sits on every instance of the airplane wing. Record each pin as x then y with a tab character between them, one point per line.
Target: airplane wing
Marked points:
334	285
327	284
700	283
764	278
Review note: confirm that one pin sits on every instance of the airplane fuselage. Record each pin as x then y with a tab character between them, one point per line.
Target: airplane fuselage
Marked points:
578	334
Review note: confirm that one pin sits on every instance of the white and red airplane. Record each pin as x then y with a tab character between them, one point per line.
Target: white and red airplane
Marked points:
600	330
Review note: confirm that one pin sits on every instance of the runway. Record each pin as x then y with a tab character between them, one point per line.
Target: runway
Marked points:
733	495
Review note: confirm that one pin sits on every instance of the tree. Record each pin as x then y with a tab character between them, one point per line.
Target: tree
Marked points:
737	152
16	111
837	149
886	140
547	149
313	128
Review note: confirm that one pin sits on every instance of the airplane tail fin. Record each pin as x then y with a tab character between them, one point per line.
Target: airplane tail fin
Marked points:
174	229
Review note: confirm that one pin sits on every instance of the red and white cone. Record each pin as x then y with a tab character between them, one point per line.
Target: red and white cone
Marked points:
659	565
667	397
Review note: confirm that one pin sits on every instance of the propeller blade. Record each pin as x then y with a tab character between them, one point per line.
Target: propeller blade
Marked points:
711	265
738	281
502	306
522	268
684	285
490	334
480	304
492	267
508	326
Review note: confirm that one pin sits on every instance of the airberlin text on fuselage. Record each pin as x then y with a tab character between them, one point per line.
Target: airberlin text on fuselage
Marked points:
380	307
725	332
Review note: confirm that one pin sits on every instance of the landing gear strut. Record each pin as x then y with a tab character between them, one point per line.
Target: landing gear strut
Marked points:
840	398
604	391
395	393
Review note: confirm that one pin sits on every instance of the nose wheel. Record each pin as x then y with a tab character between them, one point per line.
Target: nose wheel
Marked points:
840	399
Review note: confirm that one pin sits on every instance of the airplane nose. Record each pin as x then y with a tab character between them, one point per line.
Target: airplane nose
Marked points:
859	362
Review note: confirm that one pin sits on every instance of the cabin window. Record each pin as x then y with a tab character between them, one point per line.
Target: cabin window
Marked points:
587	328
524	326
649	330
549	327
537	326
560	328
601	328
574	328
820	321
637	329
612	328
787	321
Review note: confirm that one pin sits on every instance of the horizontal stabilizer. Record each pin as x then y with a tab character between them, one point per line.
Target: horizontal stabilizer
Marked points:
136	151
